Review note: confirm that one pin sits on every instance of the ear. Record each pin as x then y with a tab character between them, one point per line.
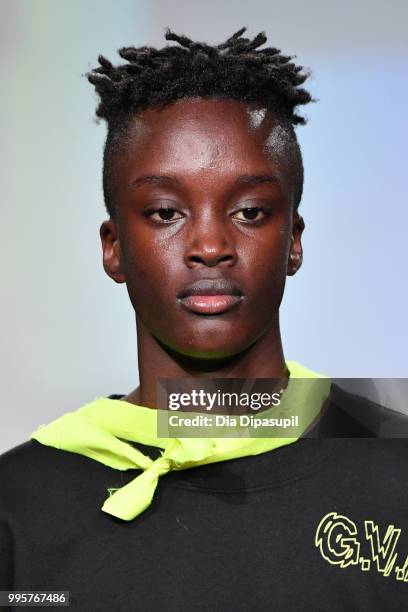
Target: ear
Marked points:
296	251
111	251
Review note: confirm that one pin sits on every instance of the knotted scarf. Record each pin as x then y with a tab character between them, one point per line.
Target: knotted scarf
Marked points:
103	428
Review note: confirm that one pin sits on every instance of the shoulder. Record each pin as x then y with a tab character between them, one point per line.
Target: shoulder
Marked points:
34	461
351	415
29	463
30	458
21	459
37	474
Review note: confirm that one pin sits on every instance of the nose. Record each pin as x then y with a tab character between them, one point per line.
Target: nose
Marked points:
210	244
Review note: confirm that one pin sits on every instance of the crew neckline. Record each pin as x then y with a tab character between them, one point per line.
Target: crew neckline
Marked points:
256	472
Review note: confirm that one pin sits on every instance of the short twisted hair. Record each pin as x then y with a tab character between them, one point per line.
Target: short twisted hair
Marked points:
235	69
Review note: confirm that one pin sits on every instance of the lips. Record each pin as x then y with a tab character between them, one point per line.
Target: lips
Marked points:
210	296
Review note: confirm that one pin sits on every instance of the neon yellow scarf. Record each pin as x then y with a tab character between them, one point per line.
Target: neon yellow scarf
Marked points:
99	430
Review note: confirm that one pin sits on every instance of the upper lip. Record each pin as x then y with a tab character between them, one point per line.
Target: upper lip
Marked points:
210	286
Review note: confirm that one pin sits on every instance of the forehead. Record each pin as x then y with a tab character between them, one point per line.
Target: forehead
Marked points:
205	144
213	133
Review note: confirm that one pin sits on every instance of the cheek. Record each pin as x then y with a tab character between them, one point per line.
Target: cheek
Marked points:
265	261
149	266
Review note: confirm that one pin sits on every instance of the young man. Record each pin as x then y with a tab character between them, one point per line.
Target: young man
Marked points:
203	179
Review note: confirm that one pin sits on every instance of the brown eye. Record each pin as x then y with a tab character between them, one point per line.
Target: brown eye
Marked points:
165	215
250	214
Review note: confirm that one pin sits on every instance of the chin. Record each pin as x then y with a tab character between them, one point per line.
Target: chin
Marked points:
207	352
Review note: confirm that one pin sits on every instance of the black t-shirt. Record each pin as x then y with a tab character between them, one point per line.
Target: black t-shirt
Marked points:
315	525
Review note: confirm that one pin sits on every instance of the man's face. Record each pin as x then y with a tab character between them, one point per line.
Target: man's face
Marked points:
205	231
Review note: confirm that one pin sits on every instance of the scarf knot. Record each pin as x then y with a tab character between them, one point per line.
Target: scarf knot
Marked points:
103	429
160	466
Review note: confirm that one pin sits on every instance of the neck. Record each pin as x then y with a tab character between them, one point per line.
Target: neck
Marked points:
263	359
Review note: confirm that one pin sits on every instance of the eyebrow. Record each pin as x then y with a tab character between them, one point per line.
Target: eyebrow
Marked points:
155	179
163	179
257	179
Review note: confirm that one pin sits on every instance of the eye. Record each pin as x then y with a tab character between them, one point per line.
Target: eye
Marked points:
164	215
250	214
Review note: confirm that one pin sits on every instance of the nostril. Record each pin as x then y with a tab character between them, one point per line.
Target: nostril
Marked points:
196	259
210	261
225	258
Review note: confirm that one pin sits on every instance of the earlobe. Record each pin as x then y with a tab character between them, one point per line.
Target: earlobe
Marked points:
296	249
111	251
295	261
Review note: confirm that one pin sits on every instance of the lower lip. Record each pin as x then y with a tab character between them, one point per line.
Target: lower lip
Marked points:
210	304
